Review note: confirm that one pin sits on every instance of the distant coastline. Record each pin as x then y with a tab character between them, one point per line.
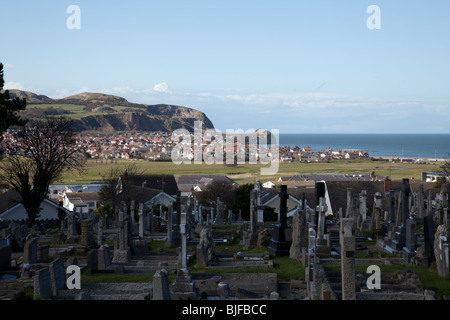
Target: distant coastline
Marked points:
428	147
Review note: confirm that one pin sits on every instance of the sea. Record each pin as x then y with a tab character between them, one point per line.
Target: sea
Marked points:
417	146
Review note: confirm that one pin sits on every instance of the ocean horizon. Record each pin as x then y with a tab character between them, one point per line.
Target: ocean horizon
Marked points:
434	146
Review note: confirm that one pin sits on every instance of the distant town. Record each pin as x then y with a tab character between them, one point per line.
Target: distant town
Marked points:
158	145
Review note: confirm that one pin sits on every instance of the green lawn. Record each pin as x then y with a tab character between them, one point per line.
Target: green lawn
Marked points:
248	173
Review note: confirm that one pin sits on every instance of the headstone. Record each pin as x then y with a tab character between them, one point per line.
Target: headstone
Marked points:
100	232
299	234
282	235
87	234
321	210
392	202
141	220
264	238
363	205
309	276
30	251
121	252
5	257
57	275
92	261
183	241
161	285
250	237
219	213
378	207
42	284
347	240
43	253
349	203
205	249
183	287
441	251
104	259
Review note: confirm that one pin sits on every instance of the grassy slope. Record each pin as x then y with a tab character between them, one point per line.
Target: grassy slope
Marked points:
77	110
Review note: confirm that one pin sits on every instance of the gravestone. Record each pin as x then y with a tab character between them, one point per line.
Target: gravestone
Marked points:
57	275
309	271
104	259
441	251
349	203
205	249
299	234
392	203
281	241
250	237
183	287
42	284
121	252
43	253
92	261
363	205
100	231
5	257
176	236
219	211
87	234
30	251
141	220
347	240
161	285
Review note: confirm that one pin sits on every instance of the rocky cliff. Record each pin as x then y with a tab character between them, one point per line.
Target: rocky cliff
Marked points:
108	113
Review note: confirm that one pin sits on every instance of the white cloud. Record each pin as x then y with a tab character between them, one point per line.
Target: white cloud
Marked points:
161	87
14	85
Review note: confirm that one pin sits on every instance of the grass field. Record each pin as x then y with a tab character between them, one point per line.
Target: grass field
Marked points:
248	173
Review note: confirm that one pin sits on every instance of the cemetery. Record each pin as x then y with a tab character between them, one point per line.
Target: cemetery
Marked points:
376	246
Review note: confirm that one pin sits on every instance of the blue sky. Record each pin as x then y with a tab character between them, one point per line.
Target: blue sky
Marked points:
297	66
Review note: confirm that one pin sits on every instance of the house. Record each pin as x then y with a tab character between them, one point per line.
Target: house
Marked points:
430	176
268	185
81	202
12	210
189	183
162	182
271	198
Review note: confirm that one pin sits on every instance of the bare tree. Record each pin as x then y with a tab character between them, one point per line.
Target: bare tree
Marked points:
43	150
117	182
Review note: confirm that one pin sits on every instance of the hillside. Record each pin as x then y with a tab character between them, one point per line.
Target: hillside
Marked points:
108	113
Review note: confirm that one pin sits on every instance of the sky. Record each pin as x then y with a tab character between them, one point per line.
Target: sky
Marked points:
296	66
